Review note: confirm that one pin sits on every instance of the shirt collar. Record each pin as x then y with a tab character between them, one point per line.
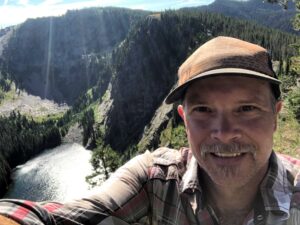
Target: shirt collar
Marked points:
190	181
276	189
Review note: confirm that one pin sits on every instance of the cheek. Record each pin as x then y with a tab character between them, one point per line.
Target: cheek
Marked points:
197	129
260	131
260	127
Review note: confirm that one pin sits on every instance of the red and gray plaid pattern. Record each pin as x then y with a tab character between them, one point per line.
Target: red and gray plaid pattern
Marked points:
163	188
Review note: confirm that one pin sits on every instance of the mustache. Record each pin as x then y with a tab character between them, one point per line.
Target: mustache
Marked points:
234	147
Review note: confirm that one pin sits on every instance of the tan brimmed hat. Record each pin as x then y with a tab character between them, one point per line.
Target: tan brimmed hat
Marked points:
225	56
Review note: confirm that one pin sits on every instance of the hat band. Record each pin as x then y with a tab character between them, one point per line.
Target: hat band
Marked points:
237	71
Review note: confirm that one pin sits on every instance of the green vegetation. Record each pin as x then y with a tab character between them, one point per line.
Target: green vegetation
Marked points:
174	137
104	161
22	138
287	139
5	86
293	101
87	122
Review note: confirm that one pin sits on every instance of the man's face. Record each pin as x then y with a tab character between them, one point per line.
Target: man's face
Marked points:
230	123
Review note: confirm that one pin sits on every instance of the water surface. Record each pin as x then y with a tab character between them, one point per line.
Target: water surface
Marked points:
57	175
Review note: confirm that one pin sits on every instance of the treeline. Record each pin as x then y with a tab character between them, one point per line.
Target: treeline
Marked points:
22	138
205	25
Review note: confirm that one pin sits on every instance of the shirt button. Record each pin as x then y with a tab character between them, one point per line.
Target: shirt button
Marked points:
260	217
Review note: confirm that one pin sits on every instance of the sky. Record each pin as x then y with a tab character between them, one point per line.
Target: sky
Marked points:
13	12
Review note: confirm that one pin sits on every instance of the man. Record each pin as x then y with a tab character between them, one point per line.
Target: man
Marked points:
229	175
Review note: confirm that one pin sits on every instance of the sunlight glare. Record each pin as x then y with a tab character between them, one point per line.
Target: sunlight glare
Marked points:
48	65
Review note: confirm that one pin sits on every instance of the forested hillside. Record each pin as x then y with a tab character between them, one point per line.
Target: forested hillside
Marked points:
54	57
262	12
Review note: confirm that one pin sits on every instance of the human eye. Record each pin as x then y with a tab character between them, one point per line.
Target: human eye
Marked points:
201	109
247	108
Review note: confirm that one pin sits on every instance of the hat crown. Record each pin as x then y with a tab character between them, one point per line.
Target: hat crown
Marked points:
225	52
225	56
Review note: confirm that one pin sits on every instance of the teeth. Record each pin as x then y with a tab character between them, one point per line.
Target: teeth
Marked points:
227	154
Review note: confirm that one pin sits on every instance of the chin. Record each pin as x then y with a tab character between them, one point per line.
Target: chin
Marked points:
230	176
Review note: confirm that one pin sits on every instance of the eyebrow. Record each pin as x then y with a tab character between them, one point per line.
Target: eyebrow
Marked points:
195	98
253	98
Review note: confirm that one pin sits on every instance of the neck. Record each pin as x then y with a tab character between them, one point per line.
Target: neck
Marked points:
231	202
226	201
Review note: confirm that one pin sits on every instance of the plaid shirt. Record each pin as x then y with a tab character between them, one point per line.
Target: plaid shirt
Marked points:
162	187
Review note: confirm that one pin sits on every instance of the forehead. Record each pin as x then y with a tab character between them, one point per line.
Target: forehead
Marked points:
220	86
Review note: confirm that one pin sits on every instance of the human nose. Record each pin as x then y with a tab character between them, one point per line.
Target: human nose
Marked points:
225	129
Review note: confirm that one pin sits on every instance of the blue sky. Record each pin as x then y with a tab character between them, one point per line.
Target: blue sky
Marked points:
17	11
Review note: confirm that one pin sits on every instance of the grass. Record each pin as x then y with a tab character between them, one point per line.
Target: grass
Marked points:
10	95
287	138
40	119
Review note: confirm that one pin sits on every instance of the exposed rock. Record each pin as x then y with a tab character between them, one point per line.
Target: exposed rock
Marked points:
145	74
5	35
31	105
151	134
74	135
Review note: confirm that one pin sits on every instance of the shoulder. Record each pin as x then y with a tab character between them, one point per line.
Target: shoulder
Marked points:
167	156
156	164
168	163
291	164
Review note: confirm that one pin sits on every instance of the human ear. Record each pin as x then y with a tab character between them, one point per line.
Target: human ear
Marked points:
180	111
278	107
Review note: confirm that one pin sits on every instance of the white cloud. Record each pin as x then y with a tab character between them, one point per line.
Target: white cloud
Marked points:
158	5
23	2
51	2
190	3
12	14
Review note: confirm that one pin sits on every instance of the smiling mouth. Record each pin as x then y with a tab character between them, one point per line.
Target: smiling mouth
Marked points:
227	155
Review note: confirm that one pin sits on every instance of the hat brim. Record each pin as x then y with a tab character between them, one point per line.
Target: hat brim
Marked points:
178	92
